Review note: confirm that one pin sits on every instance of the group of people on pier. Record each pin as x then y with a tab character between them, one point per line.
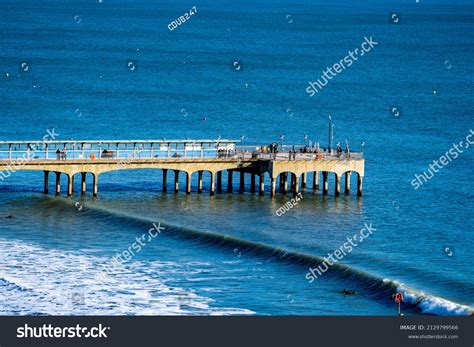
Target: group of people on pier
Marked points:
226	153
61	154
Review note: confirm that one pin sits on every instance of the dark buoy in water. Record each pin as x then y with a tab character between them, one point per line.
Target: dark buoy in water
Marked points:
349	292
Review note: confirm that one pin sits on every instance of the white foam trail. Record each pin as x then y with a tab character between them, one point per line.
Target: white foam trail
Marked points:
56	282
430	304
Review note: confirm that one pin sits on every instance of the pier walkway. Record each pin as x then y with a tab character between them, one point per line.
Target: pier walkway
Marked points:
212	157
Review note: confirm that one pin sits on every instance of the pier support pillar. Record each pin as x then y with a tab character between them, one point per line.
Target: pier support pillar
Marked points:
303	181
165	179
337	185
230	175
325	183
219	181
359	185
176	181
281	181
95	184
273	191
58	183
188	183
297	185
285	182
211	188
242	182
292	183
252	183
199	182
316	180
70	184
46	182
262	184
347	183
83	182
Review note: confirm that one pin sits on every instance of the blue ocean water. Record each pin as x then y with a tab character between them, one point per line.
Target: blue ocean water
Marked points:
231	254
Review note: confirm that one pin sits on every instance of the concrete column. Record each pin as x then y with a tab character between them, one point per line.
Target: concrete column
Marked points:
262	184
219	181
242	182
347	182
211	188
292	183
303	181
230	175
83	182
95	184
297	185
188	183
58	183
273	191
285	182
252	183
46	182
176	181
165	179
325	183
316	180
337	185
199	181
69	185
359	184
281	181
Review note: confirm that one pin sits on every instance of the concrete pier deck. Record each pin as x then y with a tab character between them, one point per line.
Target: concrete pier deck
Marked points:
73	158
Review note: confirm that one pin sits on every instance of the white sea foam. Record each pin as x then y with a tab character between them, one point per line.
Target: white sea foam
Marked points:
47	281
430	304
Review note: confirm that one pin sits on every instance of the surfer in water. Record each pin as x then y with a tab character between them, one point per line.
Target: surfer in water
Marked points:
349	292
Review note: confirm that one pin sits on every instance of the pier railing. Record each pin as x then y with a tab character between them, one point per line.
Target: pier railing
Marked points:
126	151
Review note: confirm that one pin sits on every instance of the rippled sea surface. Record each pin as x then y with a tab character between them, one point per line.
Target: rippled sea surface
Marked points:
113	70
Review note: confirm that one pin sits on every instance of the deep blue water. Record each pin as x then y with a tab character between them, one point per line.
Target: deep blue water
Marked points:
79	83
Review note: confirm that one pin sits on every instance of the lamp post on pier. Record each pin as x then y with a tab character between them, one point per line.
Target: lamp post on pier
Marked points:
331	135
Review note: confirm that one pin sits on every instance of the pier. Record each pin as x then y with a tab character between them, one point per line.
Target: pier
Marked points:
286	170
